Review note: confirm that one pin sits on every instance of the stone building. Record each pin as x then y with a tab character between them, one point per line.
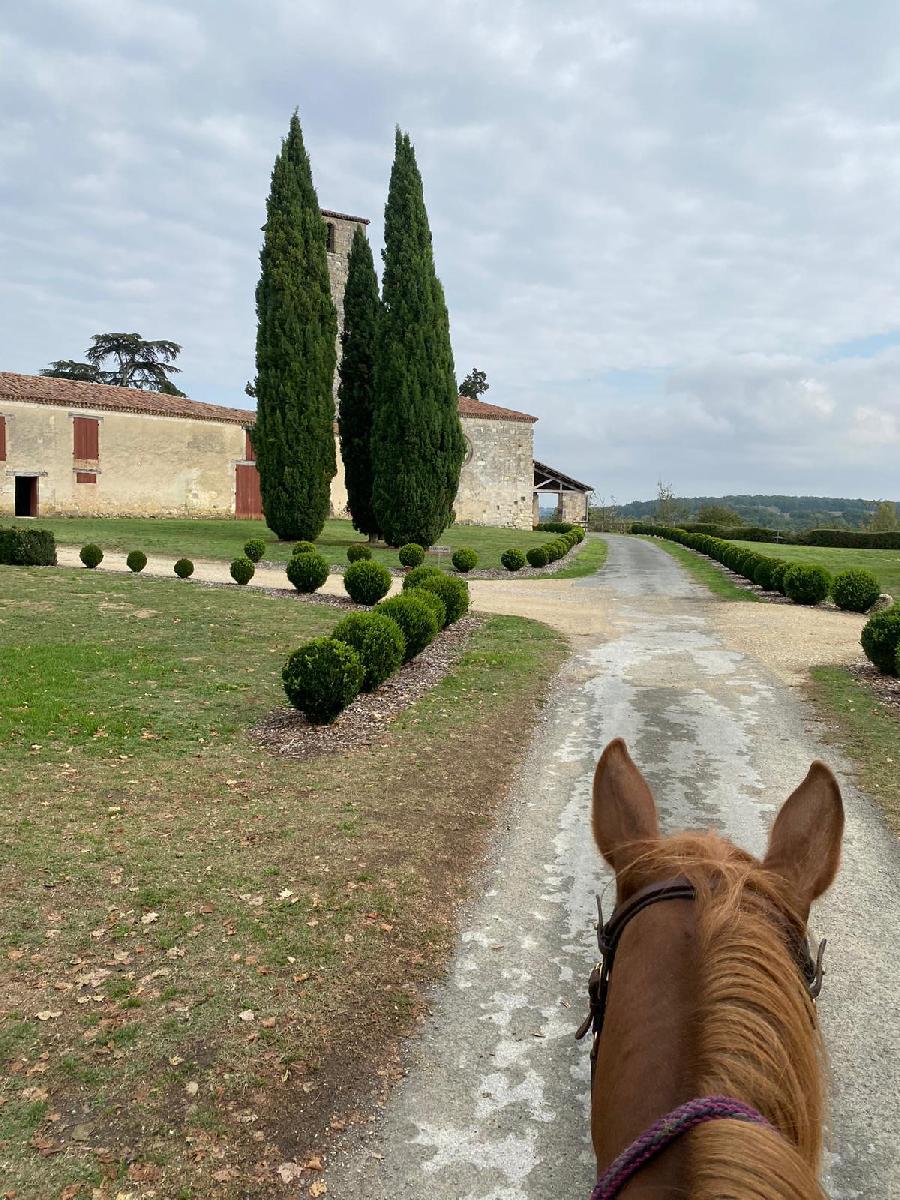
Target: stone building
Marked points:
70	448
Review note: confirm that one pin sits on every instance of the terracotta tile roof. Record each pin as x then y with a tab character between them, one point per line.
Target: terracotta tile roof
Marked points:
327	212
490	412
68	393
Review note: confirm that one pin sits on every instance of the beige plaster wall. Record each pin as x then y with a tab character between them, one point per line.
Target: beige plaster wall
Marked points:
497	479
148	466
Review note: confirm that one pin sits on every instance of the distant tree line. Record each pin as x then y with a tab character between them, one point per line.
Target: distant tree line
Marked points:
795	513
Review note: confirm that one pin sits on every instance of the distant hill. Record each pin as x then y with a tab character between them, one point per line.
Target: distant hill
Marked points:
773	512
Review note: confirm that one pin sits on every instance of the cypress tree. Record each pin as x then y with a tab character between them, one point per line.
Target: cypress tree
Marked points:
417	441
356	396
295	352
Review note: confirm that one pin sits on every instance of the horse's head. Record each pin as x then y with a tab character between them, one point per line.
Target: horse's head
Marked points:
711	990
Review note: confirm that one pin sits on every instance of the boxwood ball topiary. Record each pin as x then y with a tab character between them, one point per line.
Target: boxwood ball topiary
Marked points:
464	559
414	577
411	555
537	556
881	640
379	642
242	570
434	602
855	590
513	560
136	561
305	548
779	571
366	581
184	568
322	677
807	585
91	555
762	572
453	591
416	619
307	571
254	549
358	551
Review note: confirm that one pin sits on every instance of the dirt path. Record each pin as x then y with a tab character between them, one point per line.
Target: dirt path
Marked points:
495	1103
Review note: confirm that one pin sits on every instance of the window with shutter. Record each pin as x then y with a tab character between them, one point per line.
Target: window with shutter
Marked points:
86	433
249	452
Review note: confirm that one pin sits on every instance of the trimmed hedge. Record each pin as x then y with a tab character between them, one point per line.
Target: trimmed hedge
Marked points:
242	570
416	619
184	568
434	602
307	571
254	549
358	551
880	640
366	581
453	591
379	642
136	561
411	554
91	555
513	560
807	585
304	548
537	556
855	590
322	677
414	577
464	559
27	548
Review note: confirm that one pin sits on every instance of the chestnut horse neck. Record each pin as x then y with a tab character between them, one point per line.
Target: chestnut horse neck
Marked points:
707	1000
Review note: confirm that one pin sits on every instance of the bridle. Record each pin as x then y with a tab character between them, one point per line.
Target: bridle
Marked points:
708	1108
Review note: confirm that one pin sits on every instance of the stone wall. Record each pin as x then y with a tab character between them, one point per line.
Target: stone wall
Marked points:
148	465
338	262
497	478
573	507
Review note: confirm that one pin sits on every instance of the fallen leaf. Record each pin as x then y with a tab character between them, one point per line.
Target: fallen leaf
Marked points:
192	1088
289	1172
246	1015
48	1014
319	1188
313	1164
149	918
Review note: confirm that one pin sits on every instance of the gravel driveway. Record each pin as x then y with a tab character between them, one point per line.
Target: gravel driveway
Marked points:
495	1103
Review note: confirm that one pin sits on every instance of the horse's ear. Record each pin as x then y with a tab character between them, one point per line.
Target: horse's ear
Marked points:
624	813
805	842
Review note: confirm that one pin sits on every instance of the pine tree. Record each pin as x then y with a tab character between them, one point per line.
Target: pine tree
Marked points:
417	441
356	396
295	352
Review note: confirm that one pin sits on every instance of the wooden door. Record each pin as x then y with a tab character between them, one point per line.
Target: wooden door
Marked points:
247	500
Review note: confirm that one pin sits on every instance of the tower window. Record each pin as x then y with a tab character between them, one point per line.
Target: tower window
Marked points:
329	237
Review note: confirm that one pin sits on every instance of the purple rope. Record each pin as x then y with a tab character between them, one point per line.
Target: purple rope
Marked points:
664	1132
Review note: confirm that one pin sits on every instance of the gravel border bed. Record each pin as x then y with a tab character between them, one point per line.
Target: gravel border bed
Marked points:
287	732
886	688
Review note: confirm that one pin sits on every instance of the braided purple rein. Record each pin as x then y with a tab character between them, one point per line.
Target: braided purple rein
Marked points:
664	1132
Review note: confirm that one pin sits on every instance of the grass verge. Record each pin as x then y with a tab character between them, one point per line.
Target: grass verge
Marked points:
703	569
884	564
206	953
225	539
867	731
588	558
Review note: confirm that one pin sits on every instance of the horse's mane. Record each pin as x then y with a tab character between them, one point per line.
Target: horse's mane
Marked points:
755	1034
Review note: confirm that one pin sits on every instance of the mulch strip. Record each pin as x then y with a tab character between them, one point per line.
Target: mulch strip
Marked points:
885	688
288	733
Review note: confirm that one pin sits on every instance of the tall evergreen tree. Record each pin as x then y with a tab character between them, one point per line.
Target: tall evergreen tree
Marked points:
295	352
417	440
356	392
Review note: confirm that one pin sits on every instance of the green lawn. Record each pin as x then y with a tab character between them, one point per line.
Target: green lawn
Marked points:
884	564
190	924
225	539
588	558
703	569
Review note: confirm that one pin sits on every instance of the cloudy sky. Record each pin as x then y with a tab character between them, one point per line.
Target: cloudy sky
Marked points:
668	228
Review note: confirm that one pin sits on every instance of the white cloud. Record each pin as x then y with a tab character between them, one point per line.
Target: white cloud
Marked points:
654	222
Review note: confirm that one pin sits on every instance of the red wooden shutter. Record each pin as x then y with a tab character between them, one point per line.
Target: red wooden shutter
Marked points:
247	500
85	477
249	452
2	438
87	437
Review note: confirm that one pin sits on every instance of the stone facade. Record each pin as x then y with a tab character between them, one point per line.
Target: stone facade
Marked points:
341	229
495	484
148	465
